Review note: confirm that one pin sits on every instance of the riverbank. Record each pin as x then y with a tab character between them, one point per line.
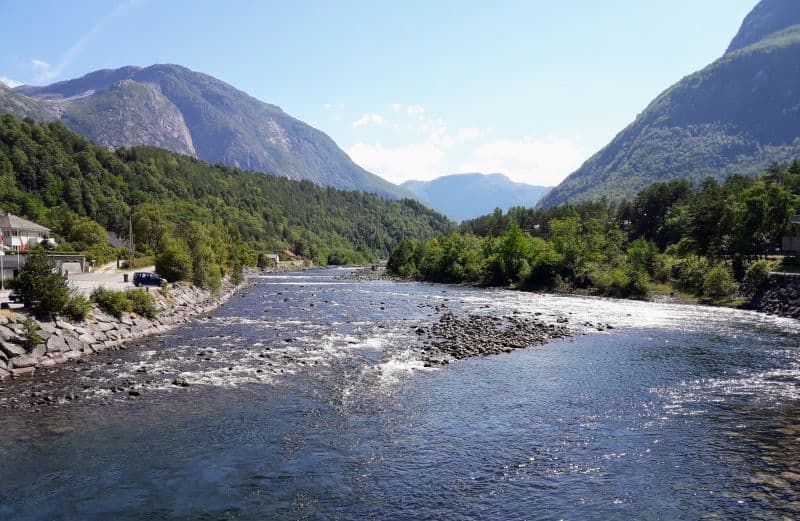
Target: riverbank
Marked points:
63	340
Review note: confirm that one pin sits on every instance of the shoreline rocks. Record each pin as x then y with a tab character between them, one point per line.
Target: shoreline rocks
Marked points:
780	295
63	341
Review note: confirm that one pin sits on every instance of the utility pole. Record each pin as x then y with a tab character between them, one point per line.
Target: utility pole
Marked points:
132	263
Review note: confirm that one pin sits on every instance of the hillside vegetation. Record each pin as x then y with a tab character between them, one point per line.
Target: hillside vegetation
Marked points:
735	116
707	241
188	112
51	175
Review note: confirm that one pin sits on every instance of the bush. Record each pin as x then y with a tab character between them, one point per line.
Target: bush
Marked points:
756	276
142	303
44	291
115	303
689	274
620	283
173	261
718	282
30	335
237	274
77	308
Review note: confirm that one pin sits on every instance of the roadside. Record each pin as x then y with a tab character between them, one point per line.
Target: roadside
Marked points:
114	279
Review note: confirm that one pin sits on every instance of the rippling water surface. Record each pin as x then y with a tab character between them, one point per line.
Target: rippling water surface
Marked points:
308	399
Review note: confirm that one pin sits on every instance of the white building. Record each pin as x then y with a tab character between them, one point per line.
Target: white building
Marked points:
17	233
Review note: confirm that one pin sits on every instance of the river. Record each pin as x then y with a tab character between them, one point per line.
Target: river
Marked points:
308	399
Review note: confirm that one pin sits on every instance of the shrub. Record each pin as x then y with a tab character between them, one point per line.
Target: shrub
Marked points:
718	282
690	272
173	261
642	256
142	303
115	303
620	282
756	276
77	308
44	291
237	274
30	335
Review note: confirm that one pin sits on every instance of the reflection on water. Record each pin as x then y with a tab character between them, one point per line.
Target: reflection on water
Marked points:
308	399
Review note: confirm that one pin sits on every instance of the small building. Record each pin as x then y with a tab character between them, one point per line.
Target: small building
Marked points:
791	244
17	233
66	263
272	259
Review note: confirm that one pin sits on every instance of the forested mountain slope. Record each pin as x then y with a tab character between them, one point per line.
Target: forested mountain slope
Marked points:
737	115
52	175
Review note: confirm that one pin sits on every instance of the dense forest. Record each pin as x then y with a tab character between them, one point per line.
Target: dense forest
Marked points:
709	241
178	204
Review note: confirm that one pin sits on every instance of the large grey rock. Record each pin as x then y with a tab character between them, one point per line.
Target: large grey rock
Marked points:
20	371
86	338
23	361
4	374
3	364
12	349
57	344
65	325
48	327
39	351
6	334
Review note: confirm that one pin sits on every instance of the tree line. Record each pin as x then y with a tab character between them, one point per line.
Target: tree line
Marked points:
199	220
709	241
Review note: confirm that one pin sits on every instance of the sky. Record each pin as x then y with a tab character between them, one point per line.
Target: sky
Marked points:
410	90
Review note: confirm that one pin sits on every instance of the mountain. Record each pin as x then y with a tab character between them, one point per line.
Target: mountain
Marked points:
53	176
466	196
195	114
737	115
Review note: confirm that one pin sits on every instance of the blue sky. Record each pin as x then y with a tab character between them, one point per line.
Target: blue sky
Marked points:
411	90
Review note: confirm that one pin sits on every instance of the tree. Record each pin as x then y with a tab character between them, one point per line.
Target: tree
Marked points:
44	291
173	261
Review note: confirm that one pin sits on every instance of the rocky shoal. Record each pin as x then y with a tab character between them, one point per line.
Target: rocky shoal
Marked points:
483	335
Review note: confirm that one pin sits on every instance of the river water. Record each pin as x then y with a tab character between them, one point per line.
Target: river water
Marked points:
308	399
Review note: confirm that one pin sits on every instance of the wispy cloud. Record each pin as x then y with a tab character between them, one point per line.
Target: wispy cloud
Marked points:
431	149
370	118
9	82
45	71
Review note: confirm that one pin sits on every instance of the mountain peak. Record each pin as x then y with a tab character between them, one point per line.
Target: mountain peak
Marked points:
766	18
466	196
189	112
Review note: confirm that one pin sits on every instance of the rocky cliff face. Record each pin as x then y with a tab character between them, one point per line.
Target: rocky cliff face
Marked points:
130	113
735	116
193	113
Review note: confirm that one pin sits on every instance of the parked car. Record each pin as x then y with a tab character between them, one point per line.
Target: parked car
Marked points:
15	297
146	278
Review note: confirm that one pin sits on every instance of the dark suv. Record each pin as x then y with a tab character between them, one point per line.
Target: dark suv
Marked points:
145	278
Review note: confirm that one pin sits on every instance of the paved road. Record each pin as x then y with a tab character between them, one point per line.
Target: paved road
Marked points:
86	282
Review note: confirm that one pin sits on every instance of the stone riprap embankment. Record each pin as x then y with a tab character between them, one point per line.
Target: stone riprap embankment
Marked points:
63	341
780	295
483	335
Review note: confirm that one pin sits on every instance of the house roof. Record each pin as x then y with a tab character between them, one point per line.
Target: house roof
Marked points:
13	222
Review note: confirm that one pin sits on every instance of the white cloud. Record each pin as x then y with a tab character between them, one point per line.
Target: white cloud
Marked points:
370	118
413	161
535	160
468	134
9	82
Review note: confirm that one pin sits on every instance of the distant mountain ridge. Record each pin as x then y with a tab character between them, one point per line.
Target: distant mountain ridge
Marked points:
192	113
466	196
737	115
